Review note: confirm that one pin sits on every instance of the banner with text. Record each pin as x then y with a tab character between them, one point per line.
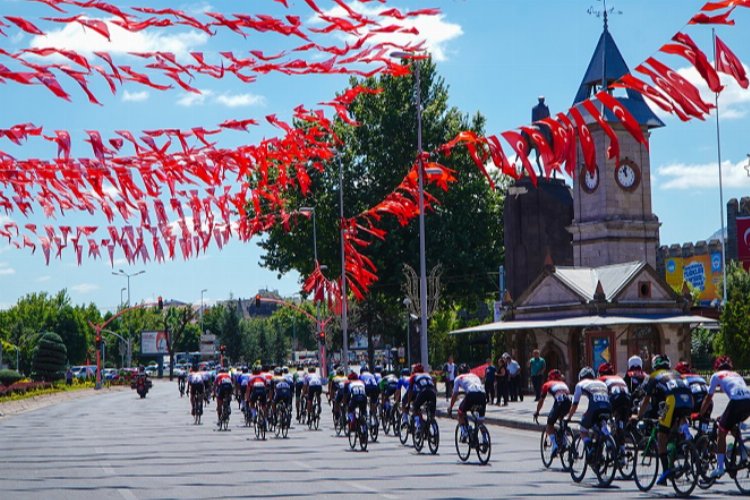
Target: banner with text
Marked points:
154	343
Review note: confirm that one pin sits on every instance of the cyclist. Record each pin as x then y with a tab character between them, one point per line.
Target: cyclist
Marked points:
635	376
207	384
313	387
355	396
619	398
281	390
474	396
403	386
667	391
371	388
299	382
598	399
388	387
336	389
256	390
242	380
223	389
181	380
736	412
422	391
378	374
194	387
560	392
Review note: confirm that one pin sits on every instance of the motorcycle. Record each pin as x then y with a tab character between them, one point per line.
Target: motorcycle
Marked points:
141	384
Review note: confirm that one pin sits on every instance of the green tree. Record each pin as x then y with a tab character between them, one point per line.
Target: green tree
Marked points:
50	358
463	231
734	336
176	320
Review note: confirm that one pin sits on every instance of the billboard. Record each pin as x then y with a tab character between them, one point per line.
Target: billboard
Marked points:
743	241
702	272
154	343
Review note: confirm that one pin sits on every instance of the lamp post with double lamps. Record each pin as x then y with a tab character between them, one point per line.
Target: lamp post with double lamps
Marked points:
318	336
120	272
420	178
203	331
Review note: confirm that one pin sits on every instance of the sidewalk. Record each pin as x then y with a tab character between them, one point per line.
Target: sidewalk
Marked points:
519	415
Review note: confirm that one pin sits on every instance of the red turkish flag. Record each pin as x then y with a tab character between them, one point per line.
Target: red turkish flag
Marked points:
685	106
622	114
584	137
717	19
743	241
518	143
680	83
613	151
728	63
692	53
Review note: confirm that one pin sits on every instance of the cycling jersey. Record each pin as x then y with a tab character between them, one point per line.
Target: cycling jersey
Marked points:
368	379
668	387
223	378
356	388
280	384
243	379
289	379
557	389
257	381
195	378
468	382
634	379
313	380
421	382
732	384
598	397
388	385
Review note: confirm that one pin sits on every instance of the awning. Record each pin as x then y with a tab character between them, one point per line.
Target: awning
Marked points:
585	322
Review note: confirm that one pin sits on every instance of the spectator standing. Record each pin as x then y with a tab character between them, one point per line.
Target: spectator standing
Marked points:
69	377
514	372
537	369
449	376
489	380
502	381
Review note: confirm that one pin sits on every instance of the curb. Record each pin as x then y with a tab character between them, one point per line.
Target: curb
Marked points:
503	422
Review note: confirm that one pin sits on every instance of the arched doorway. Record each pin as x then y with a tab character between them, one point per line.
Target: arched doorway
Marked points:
644	341
554	356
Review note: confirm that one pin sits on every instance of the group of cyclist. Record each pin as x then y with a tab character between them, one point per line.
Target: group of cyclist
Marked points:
669	396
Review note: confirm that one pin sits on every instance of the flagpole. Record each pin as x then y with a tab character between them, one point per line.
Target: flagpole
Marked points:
721	185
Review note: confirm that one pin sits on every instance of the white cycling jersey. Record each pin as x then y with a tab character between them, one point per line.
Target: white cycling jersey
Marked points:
357	388
313	380
615	384
368	379
467	382
595	390
732	384
195	378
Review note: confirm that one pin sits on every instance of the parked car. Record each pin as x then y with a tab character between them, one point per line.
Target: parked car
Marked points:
152	370
110	374
84	371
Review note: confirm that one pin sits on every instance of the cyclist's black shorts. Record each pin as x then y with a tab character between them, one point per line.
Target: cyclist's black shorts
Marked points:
197	387
738	410
622	405
427	397
358	401
558	411
225	391
282	395
473	399
389	390
314	390
339	395
258	394
595	410
298	388
372	391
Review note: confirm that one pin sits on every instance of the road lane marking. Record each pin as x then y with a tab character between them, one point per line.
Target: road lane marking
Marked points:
107	468
362	487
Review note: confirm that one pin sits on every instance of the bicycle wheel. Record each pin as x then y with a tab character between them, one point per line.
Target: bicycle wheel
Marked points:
353	436
272	421
706	451
626	456
646	464
279	418
403	434
545	448
433	436
567	438
420	429
362	428
484	444
685	469
606	464
742	469
338	424
385	421
396	420
577	460
373	426
257	425
463	447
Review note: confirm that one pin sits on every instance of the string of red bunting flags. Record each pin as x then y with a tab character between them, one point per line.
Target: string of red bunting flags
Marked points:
136	179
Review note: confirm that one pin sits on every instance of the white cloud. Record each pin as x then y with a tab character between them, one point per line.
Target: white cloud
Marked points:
84	287
42	279
135	96
682	176
434	30
189	99
6	270
74	37
240	100
734	101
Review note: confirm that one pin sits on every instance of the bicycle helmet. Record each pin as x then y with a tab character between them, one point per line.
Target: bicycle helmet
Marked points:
364	369
405	372
340	371
554	374
723	363
635	362
586	372
463	368
300	368
683	368
606	369
353	376
311	369
378	369
244	369
661	362
418	368
285	369
277	371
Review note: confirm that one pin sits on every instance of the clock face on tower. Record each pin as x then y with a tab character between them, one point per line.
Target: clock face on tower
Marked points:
589	180
628	175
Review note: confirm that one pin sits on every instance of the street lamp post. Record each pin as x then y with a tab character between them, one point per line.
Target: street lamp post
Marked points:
407	303
344	321
203	331
322	354
122	302
420	178
120	272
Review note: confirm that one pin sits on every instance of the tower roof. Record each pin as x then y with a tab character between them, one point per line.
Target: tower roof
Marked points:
606	66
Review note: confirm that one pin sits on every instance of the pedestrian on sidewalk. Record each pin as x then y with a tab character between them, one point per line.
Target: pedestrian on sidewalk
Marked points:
502	381
514	371
489	380
449	375
69	377
537	368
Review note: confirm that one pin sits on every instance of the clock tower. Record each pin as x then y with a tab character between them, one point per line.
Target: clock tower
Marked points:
613	220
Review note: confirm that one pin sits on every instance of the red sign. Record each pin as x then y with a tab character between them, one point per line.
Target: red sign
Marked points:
743	241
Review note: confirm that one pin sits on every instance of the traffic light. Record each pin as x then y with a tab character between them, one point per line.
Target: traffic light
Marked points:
257	301
98	341
322	336
159	303
222	349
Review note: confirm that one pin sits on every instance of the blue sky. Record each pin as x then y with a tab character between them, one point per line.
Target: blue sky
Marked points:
496	57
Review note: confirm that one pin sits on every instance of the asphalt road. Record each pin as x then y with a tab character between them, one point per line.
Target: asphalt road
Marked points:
119	446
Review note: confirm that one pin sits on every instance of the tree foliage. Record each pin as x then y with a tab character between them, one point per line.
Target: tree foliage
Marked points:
463	231
50	358
734	337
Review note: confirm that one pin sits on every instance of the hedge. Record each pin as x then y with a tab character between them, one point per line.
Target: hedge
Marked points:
9	377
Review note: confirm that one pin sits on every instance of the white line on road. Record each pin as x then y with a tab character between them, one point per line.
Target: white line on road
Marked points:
107	468
362	487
